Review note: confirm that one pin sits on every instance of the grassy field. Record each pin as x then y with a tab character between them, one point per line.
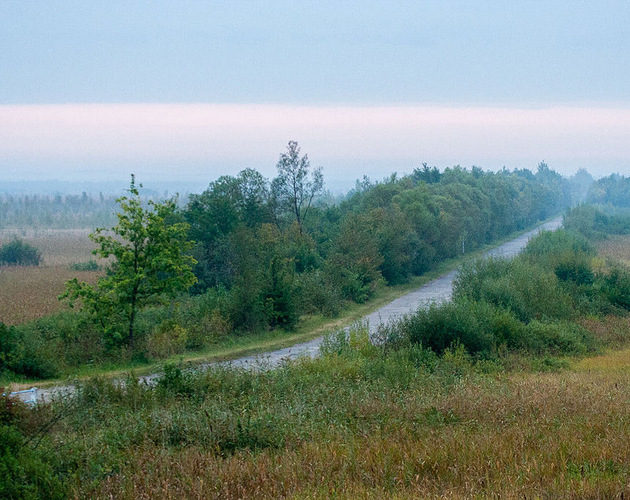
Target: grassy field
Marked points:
364	426
27	293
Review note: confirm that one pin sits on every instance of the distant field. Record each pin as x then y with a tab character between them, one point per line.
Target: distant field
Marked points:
28	293
58	246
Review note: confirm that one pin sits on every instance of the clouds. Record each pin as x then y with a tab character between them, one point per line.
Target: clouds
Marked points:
212	139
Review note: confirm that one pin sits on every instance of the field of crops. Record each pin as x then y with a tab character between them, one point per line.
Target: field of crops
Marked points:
28	293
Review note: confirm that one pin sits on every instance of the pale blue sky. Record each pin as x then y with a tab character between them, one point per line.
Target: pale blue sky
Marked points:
315	52
439	54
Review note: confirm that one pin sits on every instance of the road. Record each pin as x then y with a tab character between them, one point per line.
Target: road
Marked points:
438	290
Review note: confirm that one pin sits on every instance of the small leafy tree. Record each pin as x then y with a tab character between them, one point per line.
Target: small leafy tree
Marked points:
150	262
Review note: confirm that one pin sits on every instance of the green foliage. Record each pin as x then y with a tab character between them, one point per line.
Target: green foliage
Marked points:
168	338
23	471
611	190
90	265
26	354
595	224
149	249
526	289
616	287
19	253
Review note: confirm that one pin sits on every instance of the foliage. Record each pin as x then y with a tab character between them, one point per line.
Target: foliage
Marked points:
24	473
150	261
19	253
594	224
90	265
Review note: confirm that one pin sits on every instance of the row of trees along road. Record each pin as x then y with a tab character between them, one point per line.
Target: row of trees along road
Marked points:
266	252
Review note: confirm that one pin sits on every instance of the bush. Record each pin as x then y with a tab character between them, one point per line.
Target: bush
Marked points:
526	289
559	337
167	339
318	294
616	287
25	352
208	329
24	473
90	265
551	244
18	253
462	322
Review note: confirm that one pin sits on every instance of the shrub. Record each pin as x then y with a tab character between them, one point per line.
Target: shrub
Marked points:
462	322
18	253
24	351
318	294
167	338
526	289
90	265
548	245
616	287
23	471
208	329
559	337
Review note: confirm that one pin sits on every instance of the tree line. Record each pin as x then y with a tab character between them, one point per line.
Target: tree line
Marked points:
250	254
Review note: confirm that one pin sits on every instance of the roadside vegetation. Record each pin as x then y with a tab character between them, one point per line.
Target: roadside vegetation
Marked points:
273	256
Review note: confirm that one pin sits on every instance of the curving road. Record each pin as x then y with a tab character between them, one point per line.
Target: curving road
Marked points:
437	290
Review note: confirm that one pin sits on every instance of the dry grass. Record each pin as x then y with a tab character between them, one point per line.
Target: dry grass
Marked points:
615	248
28	293
58	246
560	435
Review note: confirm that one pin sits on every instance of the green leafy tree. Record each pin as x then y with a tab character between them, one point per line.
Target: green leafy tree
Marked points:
150	256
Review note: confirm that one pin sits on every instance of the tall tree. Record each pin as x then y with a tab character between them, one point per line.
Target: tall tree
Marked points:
297	184
150	261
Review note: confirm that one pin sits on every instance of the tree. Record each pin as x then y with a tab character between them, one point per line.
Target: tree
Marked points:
150	261
296	184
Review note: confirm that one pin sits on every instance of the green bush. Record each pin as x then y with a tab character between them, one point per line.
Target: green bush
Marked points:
25	352
24	472
90	265
616	287
167	339
318	294
464	322
18	253
521	286
559	337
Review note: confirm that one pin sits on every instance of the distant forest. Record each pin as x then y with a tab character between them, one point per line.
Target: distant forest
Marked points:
56	211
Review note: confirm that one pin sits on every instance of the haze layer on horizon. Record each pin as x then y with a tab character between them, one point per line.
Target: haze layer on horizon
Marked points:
198	142
189	91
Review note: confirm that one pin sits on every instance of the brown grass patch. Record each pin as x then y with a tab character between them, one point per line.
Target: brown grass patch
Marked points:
615	248
58	246
27	293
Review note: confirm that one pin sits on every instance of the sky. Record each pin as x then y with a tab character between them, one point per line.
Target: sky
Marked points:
187	91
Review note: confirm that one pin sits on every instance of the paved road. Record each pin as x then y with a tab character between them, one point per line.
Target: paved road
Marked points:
437	290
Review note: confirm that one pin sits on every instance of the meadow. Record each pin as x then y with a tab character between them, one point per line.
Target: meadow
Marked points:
28	293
